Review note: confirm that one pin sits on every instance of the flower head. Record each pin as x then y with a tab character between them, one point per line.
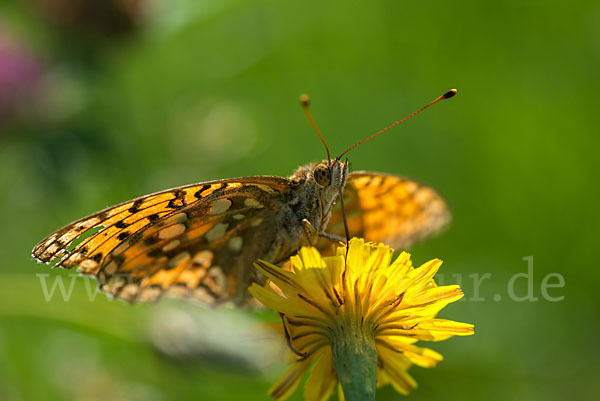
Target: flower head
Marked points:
357	315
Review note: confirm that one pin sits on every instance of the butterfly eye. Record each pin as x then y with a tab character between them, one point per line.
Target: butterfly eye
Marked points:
322	175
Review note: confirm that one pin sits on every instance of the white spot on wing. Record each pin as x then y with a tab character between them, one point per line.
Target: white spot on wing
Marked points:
50	240
129	291
423	195
171	245
219	283
203	258
410	186
149	294
202	295
172	231
90	266
219	206
256	222
235	243
250	202
265	188
178	218
217	232
183	256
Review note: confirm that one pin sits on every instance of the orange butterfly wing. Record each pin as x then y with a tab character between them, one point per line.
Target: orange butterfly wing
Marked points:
171	241
390	209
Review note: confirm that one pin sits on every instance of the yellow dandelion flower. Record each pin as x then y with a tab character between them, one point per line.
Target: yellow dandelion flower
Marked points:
356	317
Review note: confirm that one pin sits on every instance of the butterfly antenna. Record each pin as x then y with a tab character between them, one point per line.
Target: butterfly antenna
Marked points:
305	101
446	95
341	195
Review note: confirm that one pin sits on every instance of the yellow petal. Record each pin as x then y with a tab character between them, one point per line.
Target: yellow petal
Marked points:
310	258
391	357
319	282
335	266
380	258
423	274
449	293
423	357
274	301
321	382
441	329
402	264
289	381
357	258
394	366
341	393
296	263
283	279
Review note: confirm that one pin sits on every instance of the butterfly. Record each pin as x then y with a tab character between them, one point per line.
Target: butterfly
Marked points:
199	241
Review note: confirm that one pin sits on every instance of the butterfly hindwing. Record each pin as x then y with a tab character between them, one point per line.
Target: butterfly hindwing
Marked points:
187	241
390	209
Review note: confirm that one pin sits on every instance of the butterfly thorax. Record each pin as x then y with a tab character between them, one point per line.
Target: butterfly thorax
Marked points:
318	186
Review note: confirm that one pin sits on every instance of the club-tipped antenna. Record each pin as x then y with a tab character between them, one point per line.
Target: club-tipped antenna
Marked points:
346	230
305	101
446	95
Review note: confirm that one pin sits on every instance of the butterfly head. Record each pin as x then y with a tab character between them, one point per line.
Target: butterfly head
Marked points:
329	178
330	174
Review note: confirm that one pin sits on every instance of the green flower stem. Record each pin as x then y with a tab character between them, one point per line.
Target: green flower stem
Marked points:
355	359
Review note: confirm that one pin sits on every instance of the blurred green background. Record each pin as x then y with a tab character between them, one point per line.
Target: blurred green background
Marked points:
103	101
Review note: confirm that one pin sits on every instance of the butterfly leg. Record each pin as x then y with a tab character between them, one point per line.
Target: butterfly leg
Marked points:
309	232
332	237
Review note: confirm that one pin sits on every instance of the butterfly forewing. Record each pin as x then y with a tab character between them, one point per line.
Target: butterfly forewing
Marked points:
390	209
190	241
